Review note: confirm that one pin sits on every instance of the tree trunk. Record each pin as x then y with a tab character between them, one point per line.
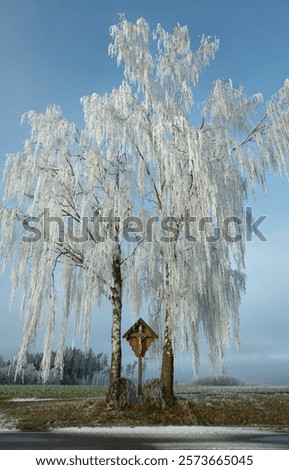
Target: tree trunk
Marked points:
116	300
167	371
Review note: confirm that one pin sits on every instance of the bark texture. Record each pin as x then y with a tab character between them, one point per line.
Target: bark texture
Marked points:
167	372
153	393
122	393
116	299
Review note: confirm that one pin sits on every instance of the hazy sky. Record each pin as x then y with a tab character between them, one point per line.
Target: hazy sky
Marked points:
56	52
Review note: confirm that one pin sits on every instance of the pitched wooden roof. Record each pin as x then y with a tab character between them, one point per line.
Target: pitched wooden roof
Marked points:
135	328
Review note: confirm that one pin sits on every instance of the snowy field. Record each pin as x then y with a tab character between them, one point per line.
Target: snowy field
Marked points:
195	391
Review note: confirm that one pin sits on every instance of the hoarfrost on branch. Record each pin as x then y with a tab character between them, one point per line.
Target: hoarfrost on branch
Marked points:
140	154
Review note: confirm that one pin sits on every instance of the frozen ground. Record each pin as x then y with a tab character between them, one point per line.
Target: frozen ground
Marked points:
183	437
246	408
145	438
193	391
159	430
2	426
161	437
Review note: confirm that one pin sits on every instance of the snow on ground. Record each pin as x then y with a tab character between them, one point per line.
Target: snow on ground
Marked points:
31	399
164	430
5	425
192	391
185	437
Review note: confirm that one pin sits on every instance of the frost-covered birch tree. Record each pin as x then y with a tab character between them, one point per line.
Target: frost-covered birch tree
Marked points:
197	174
71	190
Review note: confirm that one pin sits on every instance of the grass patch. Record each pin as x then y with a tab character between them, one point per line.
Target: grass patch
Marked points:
270	410
51	391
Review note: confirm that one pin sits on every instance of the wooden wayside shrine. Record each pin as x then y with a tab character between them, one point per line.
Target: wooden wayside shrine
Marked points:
140	337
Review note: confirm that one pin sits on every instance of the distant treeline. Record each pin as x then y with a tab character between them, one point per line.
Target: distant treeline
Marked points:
220	380
79	368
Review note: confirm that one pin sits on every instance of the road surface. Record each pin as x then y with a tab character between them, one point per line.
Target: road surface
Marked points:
162	438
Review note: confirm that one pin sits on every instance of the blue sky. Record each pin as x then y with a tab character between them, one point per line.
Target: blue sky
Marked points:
56	52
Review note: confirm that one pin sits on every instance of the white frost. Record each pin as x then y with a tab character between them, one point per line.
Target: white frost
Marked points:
140	154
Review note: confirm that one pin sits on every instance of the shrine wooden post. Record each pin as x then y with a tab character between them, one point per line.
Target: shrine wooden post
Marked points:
140	337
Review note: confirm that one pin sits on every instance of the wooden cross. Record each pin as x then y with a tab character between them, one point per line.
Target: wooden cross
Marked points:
140	336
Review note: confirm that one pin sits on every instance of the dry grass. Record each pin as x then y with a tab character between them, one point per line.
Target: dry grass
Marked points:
262	410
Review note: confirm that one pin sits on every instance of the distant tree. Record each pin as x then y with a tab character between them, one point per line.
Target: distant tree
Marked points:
130	369
30	375
102	371
133	367
4	378
78	366
220	380
89	367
